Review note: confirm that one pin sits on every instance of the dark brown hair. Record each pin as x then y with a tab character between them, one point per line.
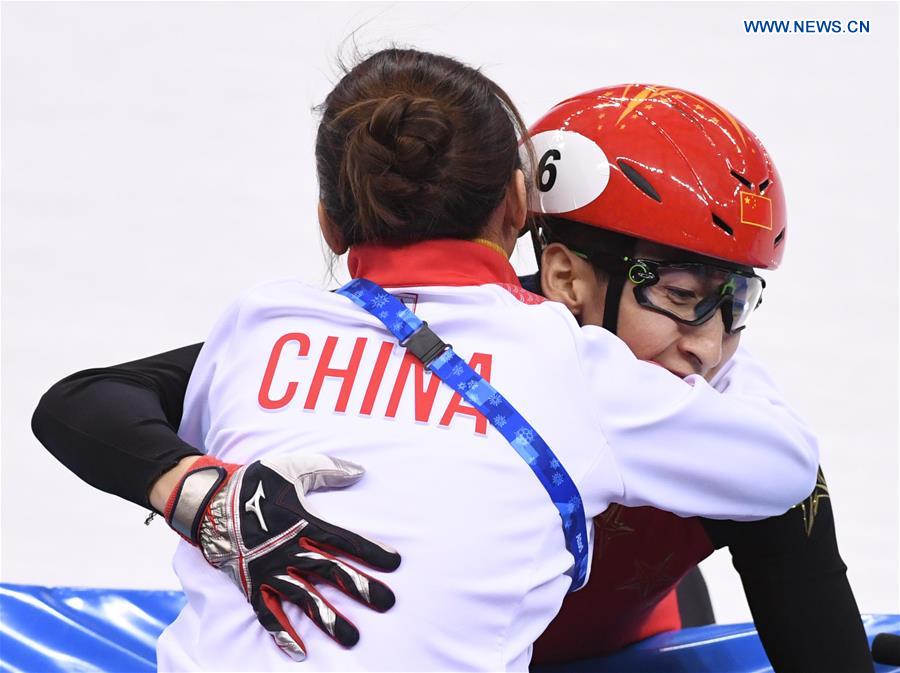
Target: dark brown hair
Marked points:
415	146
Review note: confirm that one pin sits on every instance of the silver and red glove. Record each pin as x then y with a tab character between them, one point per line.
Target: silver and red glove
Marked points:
251	522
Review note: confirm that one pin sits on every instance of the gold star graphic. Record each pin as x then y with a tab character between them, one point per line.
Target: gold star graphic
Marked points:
747	200
636	101
610	526
599	127
677	96
649	577
698	107
810	506
714	120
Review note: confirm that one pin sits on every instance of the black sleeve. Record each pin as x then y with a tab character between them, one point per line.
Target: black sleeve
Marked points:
797	588
116	427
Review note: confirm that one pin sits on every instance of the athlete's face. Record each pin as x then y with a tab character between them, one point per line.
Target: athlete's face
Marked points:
681	349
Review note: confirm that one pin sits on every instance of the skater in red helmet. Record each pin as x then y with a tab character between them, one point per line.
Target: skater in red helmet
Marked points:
657	206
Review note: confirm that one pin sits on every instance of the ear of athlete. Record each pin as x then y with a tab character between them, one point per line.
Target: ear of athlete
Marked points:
252	523
569	279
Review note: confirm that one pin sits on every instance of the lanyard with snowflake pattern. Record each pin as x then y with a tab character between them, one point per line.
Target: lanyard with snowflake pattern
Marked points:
439	358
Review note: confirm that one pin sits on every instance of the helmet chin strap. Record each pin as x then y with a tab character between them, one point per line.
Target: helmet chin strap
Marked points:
538	242
611	305
616	279
618	248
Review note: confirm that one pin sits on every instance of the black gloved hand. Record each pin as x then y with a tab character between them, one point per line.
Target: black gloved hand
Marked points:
251	522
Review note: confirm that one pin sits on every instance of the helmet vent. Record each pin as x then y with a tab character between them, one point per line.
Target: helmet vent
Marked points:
719	222
639	181
778	239
762	185
740	178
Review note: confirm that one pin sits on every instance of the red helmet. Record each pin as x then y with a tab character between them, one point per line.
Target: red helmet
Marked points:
664	165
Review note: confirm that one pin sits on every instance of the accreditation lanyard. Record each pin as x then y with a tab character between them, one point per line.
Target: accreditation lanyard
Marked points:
439	357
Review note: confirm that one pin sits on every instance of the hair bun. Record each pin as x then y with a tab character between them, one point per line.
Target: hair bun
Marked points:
393	158
415	130
415	146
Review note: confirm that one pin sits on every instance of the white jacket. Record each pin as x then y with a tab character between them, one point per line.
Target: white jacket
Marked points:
289	368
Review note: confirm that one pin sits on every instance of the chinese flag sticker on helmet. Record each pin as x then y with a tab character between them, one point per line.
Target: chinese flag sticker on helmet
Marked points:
756	210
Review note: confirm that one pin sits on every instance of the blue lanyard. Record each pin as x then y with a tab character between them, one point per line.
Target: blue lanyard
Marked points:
438	357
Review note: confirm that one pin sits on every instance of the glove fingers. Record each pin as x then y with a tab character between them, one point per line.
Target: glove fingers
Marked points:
336	540
320	611
313	471
273	619
356	584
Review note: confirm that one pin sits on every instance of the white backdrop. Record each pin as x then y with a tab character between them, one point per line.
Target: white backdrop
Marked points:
157	159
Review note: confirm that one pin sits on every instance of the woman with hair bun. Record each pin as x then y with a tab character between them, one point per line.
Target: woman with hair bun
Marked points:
482	468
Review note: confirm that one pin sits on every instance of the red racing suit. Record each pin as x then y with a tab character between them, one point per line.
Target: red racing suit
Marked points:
640	554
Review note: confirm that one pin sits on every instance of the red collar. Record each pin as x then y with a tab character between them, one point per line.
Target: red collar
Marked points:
441	262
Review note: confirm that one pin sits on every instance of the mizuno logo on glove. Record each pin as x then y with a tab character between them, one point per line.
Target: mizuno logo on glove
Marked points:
253	506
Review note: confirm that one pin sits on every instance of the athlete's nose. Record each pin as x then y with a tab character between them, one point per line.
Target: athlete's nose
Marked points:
702	344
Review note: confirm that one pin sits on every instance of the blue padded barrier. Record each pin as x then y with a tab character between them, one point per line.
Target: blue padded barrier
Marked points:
723	648
66	629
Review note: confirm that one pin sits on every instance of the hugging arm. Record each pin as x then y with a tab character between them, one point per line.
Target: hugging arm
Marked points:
797	588
117	429
684	447
793	575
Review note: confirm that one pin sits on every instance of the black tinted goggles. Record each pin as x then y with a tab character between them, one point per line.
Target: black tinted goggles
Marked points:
692	292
